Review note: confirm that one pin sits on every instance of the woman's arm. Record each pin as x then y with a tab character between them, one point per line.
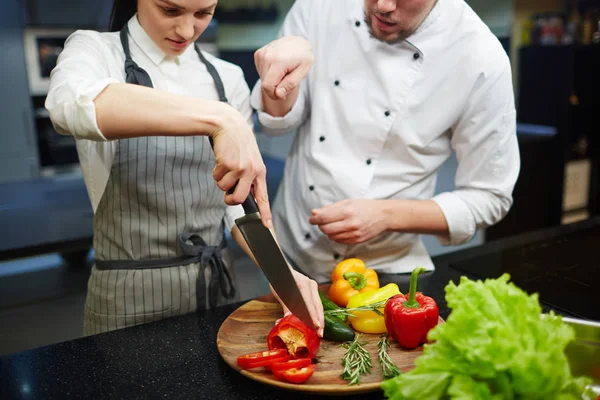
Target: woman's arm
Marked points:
124	110
86	101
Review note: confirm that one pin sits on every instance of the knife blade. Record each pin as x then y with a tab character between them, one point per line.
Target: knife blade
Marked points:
271	260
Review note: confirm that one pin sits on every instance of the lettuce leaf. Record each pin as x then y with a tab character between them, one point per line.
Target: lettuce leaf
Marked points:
494	345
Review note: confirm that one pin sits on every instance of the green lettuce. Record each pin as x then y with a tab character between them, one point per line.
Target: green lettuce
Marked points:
494	345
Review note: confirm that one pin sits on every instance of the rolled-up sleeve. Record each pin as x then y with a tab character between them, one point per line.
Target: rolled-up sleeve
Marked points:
80	75
487	151
275	126
295	24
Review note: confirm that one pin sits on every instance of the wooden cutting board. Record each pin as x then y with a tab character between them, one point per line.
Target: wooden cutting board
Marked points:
246	329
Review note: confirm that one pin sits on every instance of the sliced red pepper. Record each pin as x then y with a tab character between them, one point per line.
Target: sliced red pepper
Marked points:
262	358
292	334
295	375
410	320
298	363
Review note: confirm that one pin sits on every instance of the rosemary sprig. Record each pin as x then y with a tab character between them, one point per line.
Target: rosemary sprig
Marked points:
349	311
356	361
388	368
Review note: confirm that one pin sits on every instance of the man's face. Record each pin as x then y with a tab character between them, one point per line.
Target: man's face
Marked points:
392	21
175	24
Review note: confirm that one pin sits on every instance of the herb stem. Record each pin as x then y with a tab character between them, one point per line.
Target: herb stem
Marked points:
356	361
388	368
349	311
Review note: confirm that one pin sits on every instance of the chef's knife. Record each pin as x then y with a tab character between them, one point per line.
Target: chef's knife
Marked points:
271	260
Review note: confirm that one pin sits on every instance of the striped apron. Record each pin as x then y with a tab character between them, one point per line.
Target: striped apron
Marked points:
158	229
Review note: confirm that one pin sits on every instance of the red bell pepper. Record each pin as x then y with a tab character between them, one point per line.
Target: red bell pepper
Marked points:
295	336
262	358
295	375
409	320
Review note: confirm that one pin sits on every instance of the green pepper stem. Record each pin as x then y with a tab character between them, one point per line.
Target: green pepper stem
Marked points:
412	291
356	279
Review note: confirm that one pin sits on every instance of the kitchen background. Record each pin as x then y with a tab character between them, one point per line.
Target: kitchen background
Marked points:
45	216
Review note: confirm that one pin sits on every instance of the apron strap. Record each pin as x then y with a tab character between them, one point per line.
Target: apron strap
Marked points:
214	74
133	73
136	75
195	250
216	79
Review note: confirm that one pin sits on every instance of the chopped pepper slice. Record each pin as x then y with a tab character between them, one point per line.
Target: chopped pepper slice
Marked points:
262	358
297	363
370	321
350	277
409	320
296	375
292	334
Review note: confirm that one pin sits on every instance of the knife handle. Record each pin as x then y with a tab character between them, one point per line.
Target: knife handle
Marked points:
250	206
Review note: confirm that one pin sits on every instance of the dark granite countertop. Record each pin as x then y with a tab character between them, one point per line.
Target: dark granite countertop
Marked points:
178	357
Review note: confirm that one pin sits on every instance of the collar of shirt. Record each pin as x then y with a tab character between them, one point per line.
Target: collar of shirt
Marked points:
151	49
430	25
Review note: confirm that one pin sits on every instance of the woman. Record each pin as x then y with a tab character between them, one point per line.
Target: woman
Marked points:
146	106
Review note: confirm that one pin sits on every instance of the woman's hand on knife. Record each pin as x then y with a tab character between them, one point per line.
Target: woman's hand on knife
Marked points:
239	163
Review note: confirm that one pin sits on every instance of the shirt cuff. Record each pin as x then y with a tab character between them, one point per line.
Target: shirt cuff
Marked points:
231	214
81	114
269	122
461	223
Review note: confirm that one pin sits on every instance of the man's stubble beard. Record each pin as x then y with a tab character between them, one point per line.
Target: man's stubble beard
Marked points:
400	36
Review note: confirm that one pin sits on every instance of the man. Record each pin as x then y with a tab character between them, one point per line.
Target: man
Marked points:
382	93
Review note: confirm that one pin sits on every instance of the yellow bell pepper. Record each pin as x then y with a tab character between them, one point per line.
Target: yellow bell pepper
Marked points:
350	277
369	321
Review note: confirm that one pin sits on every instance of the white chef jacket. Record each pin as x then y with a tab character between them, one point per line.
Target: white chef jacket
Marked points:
92	60
377	121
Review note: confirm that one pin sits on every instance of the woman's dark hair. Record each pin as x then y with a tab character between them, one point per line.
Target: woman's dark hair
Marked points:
122	11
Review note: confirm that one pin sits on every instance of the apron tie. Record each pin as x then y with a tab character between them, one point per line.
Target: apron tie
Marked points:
210	258
195	250
133	73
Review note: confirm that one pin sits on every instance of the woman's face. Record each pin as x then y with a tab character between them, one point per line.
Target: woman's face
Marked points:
175	24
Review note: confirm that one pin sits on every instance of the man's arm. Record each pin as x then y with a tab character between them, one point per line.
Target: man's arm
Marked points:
358	220
485	141
487	151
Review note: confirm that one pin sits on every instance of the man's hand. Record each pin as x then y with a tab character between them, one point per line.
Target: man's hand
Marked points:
282	65
310	293
350	221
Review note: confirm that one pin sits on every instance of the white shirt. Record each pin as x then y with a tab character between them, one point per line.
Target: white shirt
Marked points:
92	60
377	121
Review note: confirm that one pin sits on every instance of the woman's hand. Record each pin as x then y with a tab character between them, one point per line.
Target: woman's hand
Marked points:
310	293
239	163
